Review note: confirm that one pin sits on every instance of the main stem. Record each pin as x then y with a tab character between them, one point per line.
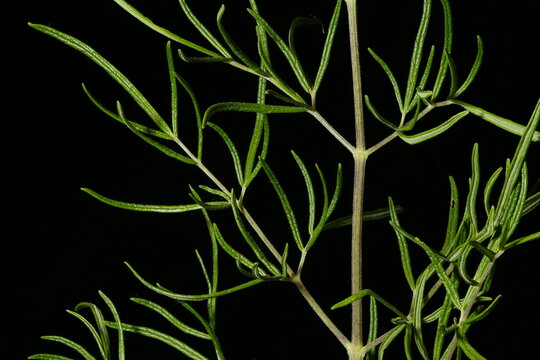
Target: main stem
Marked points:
360	157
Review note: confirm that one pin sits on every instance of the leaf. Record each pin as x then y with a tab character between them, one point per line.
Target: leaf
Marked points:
102	349
310	191
293	60
467	347
389	340
416	57
171	318
450	240
377	115
202	297
234	47
522	240
146	21
285	203
428	134
203	30
474	69
373	325
250	107
481	315
299	21
369	215
147	207
232	150
230	250
119	326
367	292
71	344
403	247
444	316
474	184
110	69
489	187
453	74
48	357
141	128
496	120
447	47
157	335
531	203
196	110
327	49
391	77
174	90
437	265
152	142
327	208
256	135
98	317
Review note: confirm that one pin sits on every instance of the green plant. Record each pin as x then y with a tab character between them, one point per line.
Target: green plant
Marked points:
428	88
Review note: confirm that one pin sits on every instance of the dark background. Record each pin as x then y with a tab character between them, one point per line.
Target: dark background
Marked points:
60	246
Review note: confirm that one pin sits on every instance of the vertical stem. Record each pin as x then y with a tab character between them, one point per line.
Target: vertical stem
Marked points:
360	158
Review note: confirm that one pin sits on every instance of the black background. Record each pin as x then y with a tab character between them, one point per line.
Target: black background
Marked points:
60	246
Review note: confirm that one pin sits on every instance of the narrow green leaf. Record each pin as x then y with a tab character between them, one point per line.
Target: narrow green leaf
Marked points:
436	261
373	325
367	292
403	247
256	134
119	326
300	21
98	317
427	71
498	121
48	357
389	340
391	77
196	110
232	150
482	314
407	342
249	107
171	318
474	69
518	160
293	60
522	240
378	115
146	21
369	215
152	142
450	240
462	266
141	128
467	347
285	203
428	134
230	250
327	209
310	191
284	258
531	203
71	344
522	198
164	338
203	30
174	90
110	69
489	187
234	47
474	184
416	316
416	57
102	349
202	59
442	322
327	49
146	207
453	74
202	297
447	47
249	239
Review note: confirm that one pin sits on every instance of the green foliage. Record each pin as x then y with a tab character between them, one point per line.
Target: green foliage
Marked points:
464	294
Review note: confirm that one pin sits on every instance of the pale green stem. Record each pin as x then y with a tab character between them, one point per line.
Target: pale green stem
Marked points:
360	157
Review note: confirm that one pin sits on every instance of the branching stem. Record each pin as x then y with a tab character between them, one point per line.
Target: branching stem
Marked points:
360	157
